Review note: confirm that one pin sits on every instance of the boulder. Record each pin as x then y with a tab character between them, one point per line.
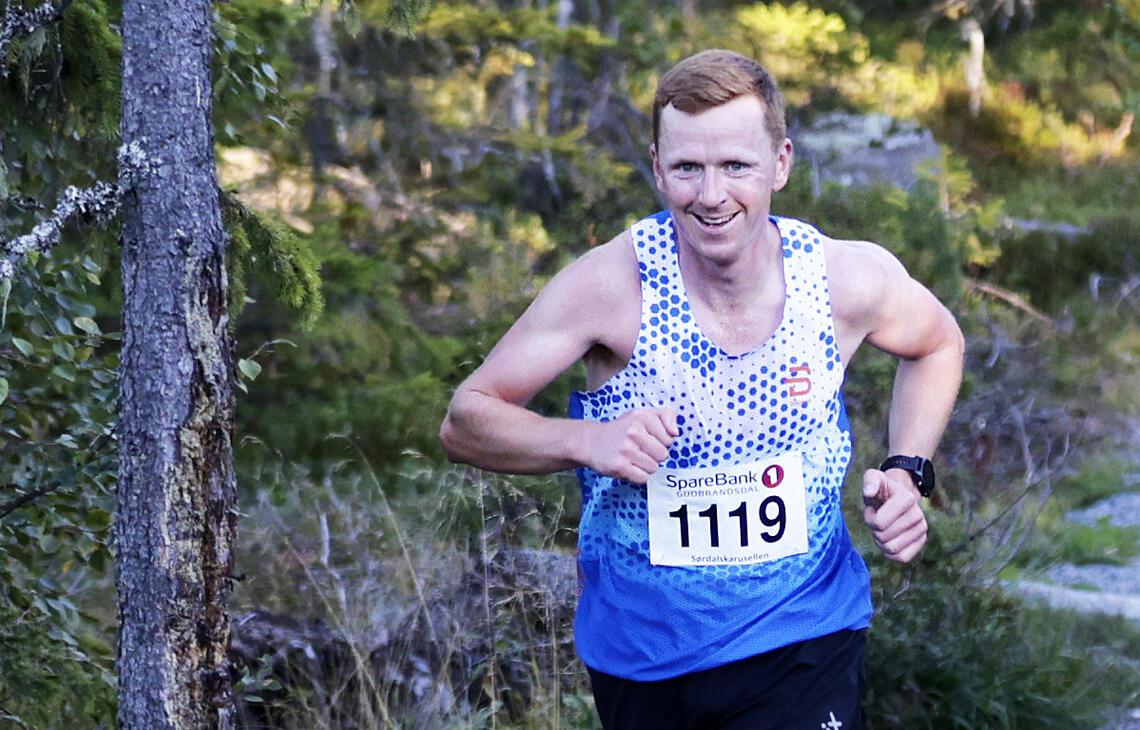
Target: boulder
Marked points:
862	149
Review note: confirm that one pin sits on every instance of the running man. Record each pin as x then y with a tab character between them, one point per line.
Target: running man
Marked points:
719	585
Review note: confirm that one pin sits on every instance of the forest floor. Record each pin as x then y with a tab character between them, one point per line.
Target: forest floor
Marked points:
1098	588
1110	589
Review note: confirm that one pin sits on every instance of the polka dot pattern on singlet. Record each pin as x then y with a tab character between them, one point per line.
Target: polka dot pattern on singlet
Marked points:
781	397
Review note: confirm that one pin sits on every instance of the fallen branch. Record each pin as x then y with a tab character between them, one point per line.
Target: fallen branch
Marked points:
1014	300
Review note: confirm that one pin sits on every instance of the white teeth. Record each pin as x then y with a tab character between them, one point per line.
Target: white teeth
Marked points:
714	221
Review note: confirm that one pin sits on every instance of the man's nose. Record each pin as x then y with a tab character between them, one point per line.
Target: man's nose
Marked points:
712	191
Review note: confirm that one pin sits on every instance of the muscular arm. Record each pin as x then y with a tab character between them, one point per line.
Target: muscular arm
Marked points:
878	302
592	306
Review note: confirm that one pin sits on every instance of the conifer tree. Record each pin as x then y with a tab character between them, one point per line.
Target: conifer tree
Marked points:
176	515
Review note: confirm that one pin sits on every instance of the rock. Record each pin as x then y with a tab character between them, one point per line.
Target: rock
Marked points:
860	149
1128	720
299	656
508	621
1119	510
1109	604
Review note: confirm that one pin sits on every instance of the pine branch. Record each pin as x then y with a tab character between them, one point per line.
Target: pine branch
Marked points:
18	22
98	205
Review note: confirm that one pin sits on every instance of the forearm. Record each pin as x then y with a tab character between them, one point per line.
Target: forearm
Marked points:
498	436
925	390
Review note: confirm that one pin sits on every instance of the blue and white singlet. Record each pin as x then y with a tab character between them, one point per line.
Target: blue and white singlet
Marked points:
782	400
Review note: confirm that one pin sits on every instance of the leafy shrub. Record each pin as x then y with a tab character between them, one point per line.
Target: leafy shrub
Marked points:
46	681
1053	267
948	652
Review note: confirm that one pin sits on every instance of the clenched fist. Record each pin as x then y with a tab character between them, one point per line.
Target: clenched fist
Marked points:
632	446
893	511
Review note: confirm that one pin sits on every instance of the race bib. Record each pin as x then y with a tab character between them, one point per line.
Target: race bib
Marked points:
747	513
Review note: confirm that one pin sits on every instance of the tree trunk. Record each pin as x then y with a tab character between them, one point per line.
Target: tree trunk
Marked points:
974	64
325	134
176	495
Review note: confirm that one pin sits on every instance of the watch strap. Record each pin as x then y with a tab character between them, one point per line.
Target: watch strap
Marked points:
921	471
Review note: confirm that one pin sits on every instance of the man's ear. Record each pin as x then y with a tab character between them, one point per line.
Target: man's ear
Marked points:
784	157
657	174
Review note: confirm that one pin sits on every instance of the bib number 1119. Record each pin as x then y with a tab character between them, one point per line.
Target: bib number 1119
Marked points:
748	513
773	514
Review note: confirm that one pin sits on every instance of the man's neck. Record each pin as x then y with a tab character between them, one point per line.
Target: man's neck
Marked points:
738	304
725	286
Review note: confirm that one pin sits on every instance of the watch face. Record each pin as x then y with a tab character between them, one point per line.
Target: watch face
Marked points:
927	477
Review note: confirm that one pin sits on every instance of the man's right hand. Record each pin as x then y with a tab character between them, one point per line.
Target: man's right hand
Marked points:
632	446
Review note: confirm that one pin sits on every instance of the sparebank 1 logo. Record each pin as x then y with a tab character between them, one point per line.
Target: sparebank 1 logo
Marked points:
798	381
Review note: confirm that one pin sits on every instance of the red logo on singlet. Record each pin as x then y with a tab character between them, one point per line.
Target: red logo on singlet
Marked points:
798	381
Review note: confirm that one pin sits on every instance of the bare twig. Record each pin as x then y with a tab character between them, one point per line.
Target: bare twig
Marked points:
12	505
1014	300
18	22
98	204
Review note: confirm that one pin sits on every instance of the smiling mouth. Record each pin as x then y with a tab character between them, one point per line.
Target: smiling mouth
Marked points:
714	221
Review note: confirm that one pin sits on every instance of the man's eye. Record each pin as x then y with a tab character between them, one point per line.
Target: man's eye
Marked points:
687	167
737	167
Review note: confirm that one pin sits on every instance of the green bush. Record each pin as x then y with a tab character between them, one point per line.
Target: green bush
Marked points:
46	681
948	651
1052	268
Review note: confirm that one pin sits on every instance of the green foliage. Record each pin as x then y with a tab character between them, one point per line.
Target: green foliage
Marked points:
92	68
403	15
273	252
59	104
46	681
1053	267
59	464
808	50
1098	479
249	59
363	370
1088	544
503	30
934	247
949	652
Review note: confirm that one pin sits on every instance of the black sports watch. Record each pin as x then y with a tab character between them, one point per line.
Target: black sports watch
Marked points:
921	471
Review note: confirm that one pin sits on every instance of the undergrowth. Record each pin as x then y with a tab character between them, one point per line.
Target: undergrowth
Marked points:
446	596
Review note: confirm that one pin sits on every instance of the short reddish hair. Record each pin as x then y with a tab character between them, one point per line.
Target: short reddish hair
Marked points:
714	77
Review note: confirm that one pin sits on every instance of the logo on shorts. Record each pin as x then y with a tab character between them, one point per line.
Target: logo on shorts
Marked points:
832	725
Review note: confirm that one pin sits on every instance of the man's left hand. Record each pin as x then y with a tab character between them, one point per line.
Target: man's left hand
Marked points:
893	511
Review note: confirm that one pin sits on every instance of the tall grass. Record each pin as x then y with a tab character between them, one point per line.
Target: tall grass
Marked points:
447	605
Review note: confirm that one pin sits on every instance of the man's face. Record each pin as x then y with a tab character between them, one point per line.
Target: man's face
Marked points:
718	170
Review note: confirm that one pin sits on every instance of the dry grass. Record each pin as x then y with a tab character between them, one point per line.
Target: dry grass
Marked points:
450	609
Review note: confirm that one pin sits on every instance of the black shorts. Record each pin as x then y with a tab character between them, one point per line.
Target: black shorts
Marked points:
812	685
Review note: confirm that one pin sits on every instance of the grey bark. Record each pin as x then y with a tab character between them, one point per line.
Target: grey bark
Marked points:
974	64
325	138
175	520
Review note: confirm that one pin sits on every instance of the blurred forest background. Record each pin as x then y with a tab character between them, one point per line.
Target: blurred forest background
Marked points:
399	183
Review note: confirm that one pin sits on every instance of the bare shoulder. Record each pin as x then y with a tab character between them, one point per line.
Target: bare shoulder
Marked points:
602	283
861	276
591	305
613	263
593	301
875	299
